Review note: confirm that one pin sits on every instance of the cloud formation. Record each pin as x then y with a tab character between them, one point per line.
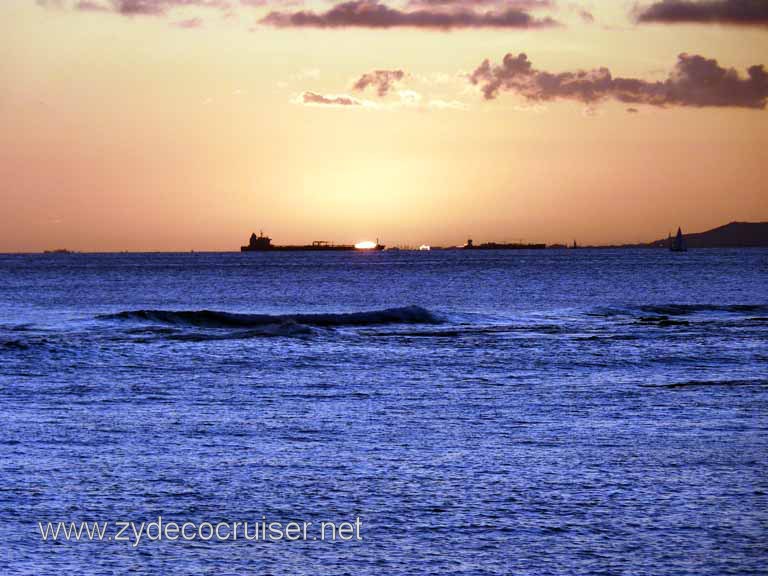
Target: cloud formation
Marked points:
695	81
517	4
404	99
135	7
315	99
382	80
374	14
733	12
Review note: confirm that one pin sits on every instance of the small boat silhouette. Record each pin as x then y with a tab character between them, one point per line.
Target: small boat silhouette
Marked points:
678	244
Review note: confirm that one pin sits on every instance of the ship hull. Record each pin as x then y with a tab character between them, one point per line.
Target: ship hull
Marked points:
298	249
342	248
507	247
263	243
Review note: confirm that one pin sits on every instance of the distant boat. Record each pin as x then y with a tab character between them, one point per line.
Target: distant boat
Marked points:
678	244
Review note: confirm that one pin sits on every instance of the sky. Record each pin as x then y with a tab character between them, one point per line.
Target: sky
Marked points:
189	124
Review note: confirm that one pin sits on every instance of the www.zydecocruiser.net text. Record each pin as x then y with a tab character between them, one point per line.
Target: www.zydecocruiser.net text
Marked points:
137	533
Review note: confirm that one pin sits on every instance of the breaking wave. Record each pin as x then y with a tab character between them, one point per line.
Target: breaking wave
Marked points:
216	319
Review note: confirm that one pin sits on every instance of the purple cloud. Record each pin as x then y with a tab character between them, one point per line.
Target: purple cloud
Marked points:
426	14
695	81
382	80
517	4
135	7
312	98
374	14
733	12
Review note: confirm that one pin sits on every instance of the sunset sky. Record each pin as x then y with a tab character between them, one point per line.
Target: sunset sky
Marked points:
188	124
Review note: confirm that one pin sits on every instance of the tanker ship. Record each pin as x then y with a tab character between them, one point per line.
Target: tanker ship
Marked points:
263	243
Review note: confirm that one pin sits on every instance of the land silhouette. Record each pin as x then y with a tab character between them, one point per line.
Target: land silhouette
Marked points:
732	235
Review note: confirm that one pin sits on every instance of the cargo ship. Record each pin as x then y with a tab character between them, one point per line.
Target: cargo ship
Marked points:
263	243
502	246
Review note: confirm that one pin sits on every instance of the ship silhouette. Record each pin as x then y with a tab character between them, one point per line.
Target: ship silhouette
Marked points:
262	243
470	245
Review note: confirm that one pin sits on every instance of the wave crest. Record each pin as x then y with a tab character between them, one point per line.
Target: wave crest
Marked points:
217	319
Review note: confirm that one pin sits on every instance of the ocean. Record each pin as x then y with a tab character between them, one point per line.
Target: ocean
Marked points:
486	412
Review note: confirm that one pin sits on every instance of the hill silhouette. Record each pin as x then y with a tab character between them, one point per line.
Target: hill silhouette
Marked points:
733	235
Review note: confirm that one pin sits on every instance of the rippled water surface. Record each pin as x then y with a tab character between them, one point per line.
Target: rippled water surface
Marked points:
558	412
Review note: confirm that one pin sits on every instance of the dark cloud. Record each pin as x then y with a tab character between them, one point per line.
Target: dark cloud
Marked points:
374	14
135	7
382	80
517	4
129	7
734	12
313	98
436	14
695	81
264	3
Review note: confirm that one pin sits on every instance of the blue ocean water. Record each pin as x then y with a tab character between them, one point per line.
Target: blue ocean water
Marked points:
550	412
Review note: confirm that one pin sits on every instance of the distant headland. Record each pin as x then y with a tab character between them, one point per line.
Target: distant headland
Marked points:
732	235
